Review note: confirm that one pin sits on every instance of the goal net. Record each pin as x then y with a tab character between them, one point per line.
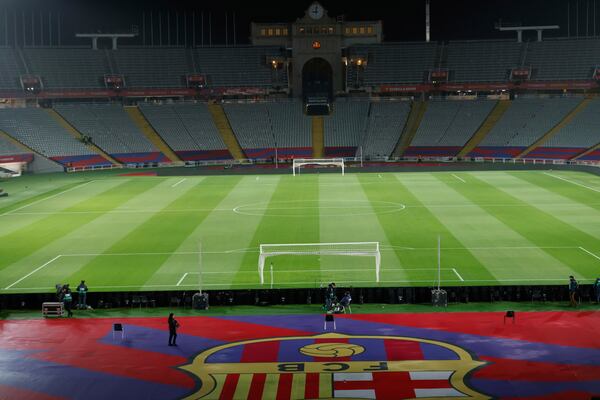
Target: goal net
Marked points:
298	163
361	249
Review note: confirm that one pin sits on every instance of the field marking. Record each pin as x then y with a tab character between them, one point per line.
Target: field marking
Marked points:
181	181
33	272
457	274
47	198
590	253
386	209
459	178
182	278
573	182
294	271
312	283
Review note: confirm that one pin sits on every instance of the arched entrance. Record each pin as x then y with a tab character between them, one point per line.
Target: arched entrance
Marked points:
317	78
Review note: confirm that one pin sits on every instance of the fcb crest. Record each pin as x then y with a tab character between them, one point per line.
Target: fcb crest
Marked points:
334	366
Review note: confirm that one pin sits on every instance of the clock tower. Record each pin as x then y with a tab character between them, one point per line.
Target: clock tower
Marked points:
315	43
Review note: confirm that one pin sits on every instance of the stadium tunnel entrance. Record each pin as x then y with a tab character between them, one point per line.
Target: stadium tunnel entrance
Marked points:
317	79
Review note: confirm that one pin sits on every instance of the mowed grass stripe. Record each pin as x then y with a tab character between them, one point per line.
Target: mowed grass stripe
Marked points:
224	236
92	238
542	228
506	254
578	215
568	190
291	216
27	240
163	232
347	215
413	232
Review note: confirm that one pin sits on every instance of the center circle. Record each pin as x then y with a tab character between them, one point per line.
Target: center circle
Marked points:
324	208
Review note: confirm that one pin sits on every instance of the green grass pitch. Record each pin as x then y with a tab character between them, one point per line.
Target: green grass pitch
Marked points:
144	233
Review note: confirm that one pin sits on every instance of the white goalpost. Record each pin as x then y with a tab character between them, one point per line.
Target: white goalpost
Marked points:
361	249
297	163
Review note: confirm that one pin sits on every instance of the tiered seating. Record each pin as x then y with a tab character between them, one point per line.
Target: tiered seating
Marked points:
188	129
8	148
447	126
525	122
482	61
111	129
292	129
580	134
9	69
36	129
395	62
345	127
561	59
259	127
237	66
385	124
150	67
68	67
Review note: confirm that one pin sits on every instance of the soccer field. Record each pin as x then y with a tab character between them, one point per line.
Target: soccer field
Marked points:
123	233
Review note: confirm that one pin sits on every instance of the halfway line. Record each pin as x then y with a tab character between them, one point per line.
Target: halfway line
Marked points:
46	198
32	272
459	178
181	181
573	182
457	274
590	253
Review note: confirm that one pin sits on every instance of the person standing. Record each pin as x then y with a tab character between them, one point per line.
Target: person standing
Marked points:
67	300
173	325
597	289
573	286
82	295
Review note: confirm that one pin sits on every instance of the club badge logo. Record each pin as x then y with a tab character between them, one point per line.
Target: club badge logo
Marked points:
334	366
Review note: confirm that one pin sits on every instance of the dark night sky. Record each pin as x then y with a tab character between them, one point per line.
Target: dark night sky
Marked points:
402	19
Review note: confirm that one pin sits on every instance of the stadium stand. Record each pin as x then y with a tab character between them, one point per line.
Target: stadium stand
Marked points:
237	66
9	69
559	59
578	135
188	129
522	124
37	130
345	127
447	126
66	68
393	62
164	67
111	129
482	61
261	126
384	126
8	148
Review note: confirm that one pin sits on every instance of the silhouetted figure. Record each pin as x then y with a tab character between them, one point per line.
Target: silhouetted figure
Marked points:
173	325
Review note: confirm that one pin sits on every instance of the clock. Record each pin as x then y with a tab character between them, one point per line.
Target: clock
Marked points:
316	11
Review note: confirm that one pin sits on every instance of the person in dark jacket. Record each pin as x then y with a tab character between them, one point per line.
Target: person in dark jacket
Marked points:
573	287
82	290
67	300
173	325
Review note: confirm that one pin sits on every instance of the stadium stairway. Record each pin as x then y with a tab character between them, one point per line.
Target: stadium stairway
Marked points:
77	135
556	128
587	152
146	128
224	127
318	136
486	126
417	111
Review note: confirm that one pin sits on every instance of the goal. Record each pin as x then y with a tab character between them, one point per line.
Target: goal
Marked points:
299	162
361	249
